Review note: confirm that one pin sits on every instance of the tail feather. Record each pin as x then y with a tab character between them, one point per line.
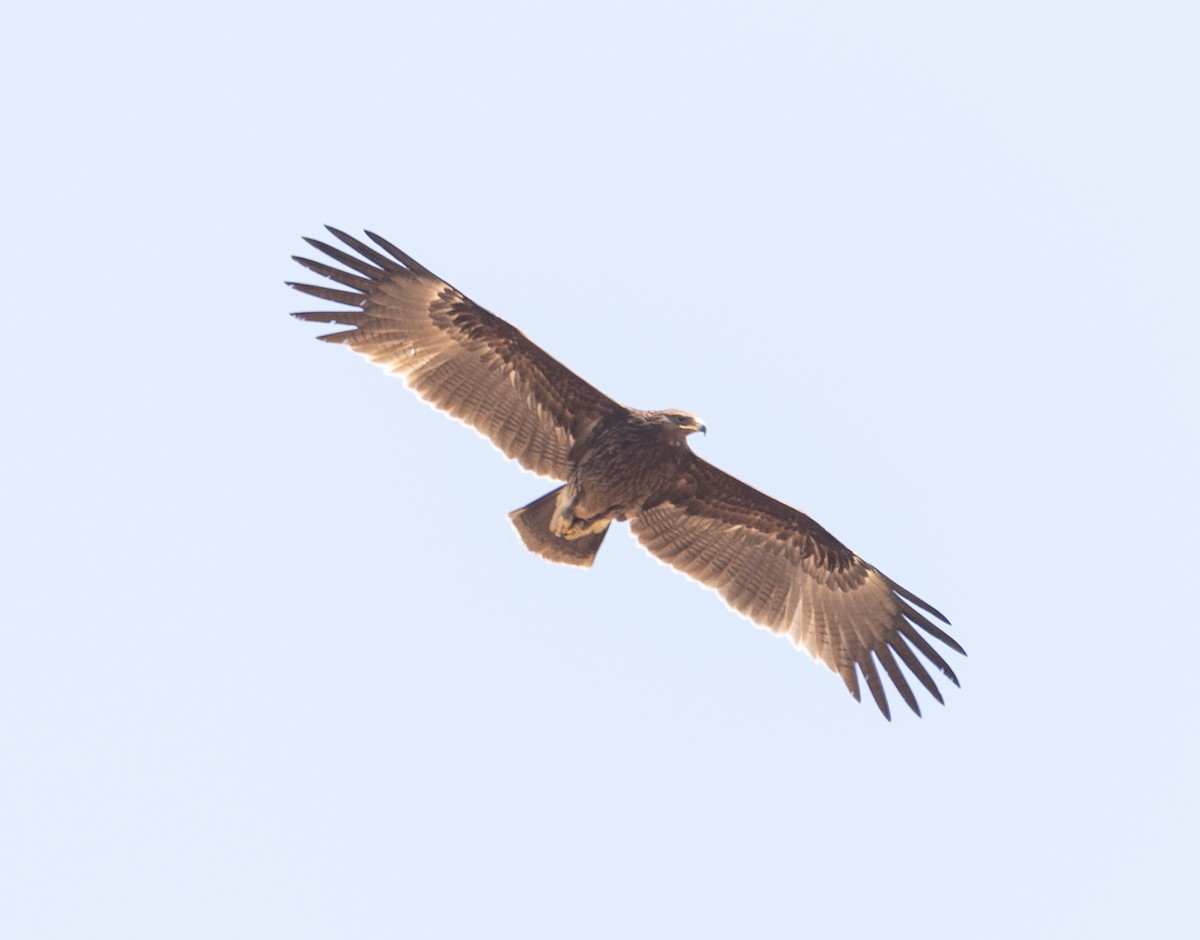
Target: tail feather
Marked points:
533	525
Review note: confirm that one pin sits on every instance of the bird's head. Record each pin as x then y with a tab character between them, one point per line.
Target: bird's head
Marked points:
683	421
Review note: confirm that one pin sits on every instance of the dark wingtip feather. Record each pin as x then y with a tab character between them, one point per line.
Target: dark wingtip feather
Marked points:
319	316
933	629
896	674
871	674
386	263
398	254
337	275
913	599
914	636
902	649
946	671
365	268
328	293
850	678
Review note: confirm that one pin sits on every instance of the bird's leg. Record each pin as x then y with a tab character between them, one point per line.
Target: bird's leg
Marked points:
581	527
566	525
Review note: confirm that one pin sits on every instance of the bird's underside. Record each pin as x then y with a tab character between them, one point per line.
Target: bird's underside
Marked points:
768	561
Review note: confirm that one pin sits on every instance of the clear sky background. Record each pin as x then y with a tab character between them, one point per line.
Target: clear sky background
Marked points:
274	663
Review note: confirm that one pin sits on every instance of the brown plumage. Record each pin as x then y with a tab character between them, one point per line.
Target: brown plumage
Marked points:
768	561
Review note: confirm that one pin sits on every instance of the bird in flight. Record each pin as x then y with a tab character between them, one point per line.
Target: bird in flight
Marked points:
768	561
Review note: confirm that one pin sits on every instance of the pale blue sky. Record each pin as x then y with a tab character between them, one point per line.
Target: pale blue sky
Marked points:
275	664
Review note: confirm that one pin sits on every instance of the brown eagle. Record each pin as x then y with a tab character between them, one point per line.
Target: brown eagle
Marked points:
770	562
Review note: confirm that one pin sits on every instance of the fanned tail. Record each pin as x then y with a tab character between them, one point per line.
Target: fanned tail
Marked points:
533	525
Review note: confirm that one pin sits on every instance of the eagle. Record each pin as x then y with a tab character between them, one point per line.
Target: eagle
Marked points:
768	561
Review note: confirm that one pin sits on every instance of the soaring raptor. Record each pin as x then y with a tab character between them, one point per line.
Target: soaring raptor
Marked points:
768	561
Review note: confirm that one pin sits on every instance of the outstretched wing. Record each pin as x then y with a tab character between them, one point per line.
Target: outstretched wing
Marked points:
775	565
456	355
